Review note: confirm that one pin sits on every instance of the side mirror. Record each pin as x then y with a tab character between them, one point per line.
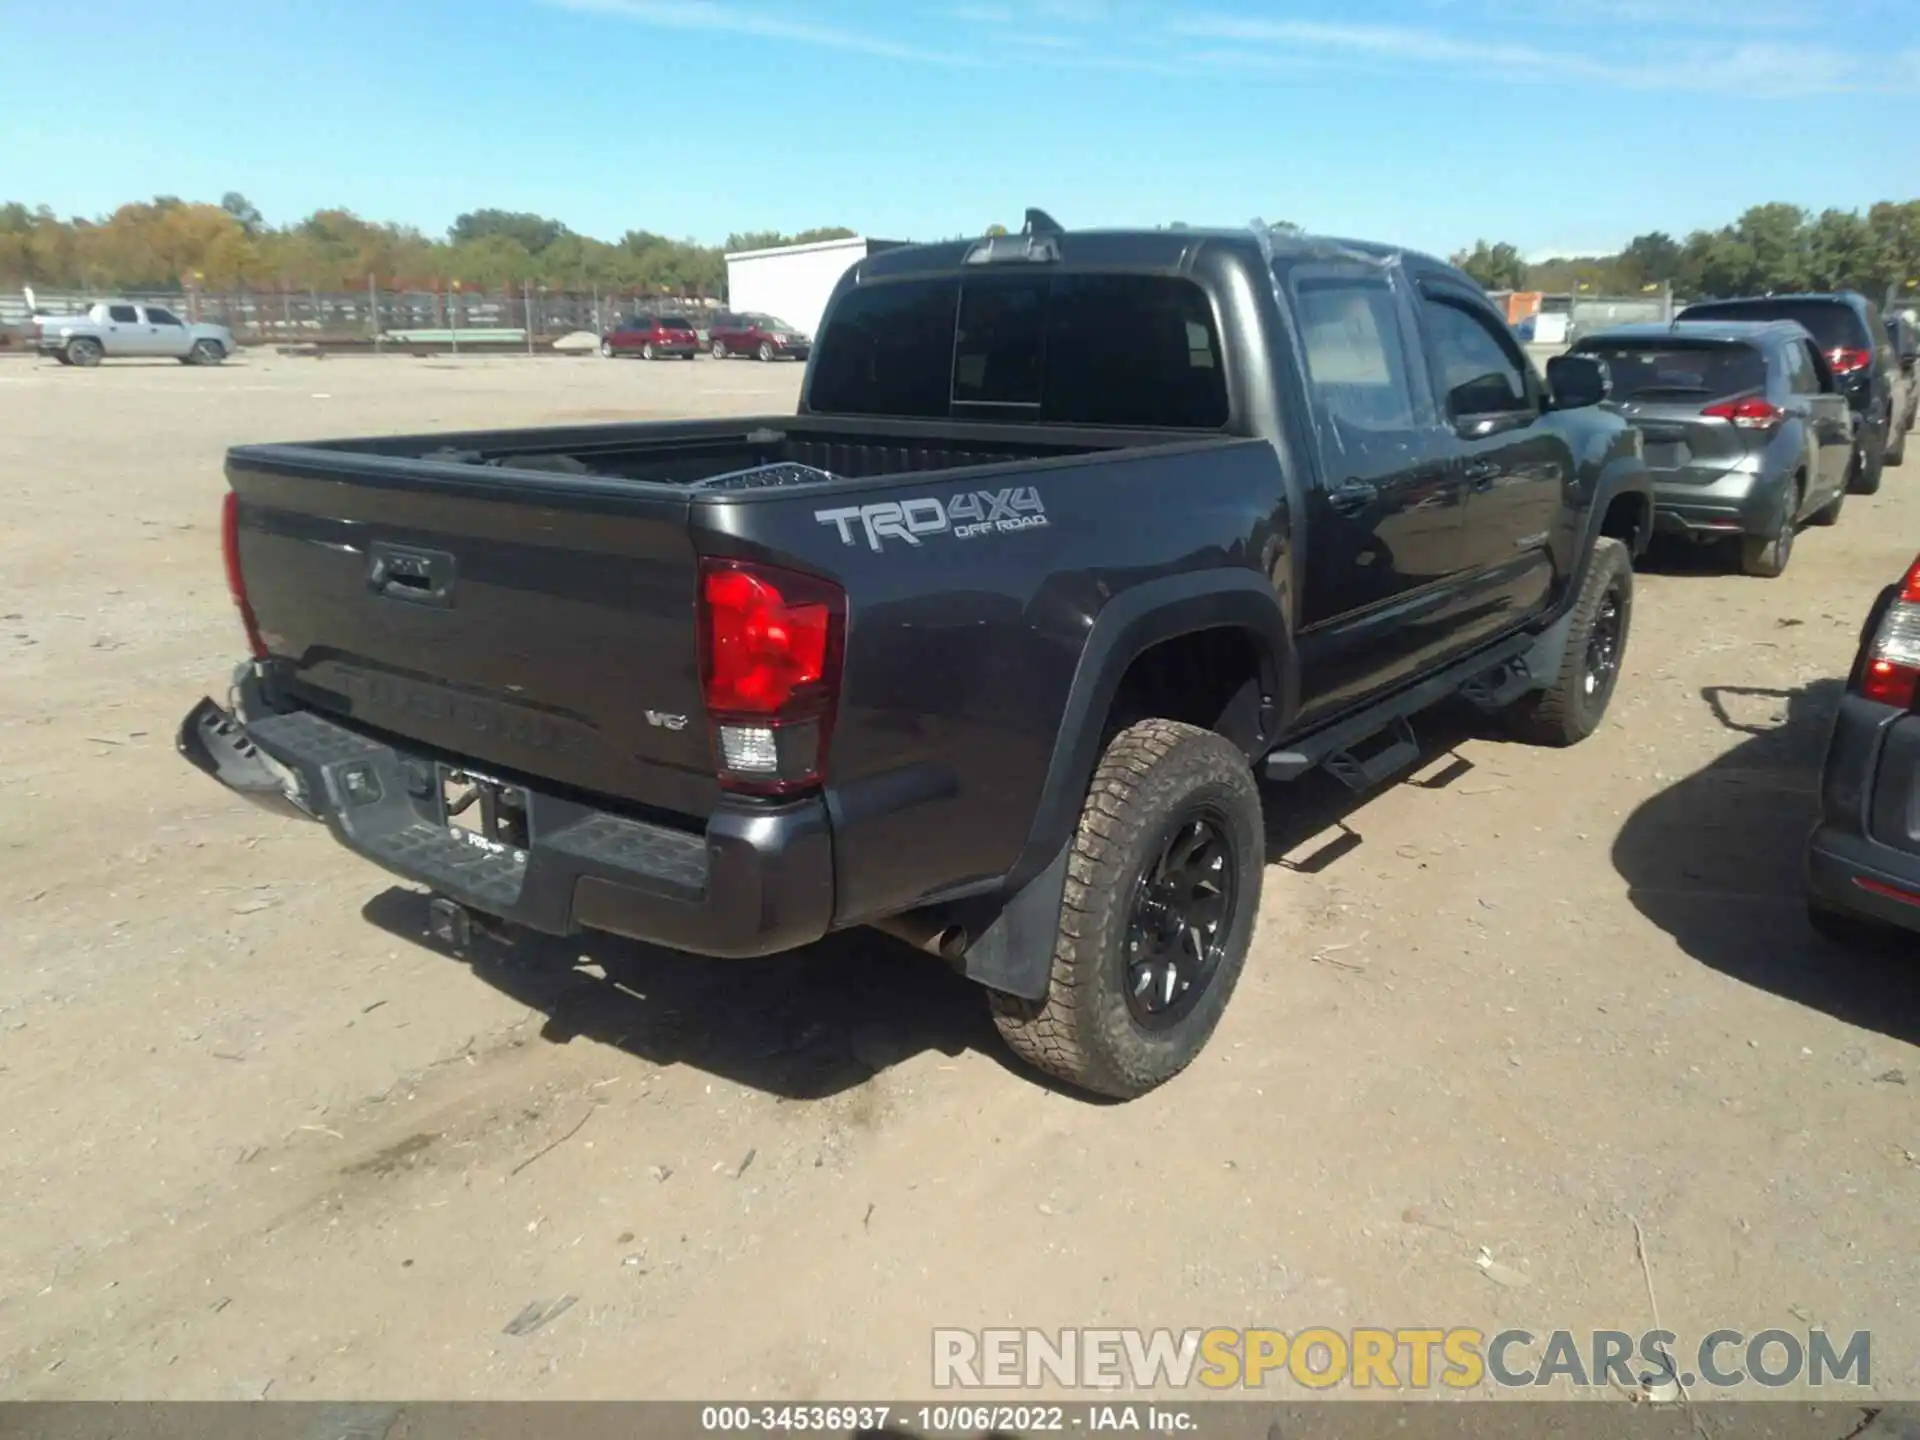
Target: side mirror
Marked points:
1578	381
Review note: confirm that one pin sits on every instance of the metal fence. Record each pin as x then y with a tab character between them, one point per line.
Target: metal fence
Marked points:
526	316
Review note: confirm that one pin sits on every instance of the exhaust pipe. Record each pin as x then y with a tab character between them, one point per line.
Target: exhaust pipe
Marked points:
926	930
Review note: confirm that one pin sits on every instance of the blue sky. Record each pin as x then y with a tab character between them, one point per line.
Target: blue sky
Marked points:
1560	125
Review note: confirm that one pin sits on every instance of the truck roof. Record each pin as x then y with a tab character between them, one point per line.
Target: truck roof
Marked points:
1137	249
1745	330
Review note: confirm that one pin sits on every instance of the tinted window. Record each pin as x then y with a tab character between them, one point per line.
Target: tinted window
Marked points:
1356	354
1117	350
1802	378
1474	371
1834	325
1651	369
123	314
158	316
888	350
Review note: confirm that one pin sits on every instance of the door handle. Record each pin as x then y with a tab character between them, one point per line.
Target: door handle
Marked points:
1482	473
1350	497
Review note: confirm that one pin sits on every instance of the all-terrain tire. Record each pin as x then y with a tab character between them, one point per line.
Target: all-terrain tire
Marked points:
1571	708
1154	777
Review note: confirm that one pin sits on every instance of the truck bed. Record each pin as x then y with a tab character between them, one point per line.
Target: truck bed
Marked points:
688	453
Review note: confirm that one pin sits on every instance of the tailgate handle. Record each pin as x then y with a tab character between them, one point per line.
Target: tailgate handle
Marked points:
400	572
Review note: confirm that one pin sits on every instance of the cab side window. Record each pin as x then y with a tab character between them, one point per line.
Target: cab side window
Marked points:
123	315
1476	370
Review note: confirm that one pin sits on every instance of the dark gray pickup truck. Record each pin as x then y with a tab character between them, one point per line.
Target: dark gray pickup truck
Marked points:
1074	536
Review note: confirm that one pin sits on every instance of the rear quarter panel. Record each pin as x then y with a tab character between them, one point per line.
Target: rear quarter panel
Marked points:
963	644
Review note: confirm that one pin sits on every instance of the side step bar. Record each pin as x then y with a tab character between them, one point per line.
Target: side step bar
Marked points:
1491	679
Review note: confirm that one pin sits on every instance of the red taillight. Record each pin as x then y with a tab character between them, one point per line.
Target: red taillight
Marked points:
1845	361
770	654
236	582
1752	413
1892	673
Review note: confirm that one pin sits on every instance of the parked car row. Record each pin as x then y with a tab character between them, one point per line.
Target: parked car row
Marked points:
653	336
1763	415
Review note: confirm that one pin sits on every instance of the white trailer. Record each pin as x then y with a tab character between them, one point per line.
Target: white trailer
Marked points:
792	283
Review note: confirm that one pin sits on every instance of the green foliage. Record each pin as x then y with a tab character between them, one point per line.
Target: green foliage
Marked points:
1497	267
1769	248
170	243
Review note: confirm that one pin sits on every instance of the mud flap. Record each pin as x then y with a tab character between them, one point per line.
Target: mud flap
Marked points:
1013	946
1543	660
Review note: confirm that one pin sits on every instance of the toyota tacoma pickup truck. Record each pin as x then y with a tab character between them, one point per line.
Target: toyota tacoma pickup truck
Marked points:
1074	537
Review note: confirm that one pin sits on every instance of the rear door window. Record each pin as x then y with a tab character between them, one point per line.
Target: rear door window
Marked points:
1356	352
1656	370
1119	350
123	315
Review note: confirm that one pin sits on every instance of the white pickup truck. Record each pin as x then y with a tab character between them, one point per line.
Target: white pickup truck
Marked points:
118	328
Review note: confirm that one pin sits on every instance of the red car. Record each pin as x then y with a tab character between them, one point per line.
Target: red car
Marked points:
761	336
651	337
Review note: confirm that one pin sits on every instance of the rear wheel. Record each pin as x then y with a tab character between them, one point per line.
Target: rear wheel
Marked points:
206	352
719	350
766	350
1864	478
84	351
1162	892
1766	556
1571	708
646	351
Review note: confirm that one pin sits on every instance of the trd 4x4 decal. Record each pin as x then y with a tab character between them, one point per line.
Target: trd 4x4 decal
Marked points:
964	516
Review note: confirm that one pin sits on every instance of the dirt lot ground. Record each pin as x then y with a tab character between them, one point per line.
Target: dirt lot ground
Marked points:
258	1137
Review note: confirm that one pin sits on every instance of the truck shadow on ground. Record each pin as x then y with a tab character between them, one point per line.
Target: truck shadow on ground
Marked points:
821	1020
1715	860
804	1025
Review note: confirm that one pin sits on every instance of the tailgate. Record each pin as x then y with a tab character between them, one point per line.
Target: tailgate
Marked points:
1684	445
537	625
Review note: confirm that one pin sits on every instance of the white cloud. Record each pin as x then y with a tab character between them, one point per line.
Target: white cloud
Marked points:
1767	69
711	17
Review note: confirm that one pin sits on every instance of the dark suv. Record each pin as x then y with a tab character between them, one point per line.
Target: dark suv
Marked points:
1746	431
761	336
652	337
1854	338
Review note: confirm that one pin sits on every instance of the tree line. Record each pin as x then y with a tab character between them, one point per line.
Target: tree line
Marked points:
167	244
1769	248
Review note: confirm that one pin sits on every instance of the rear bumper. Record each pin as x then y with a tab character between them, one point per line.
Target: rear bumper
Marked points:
1849	874
1739	502
758	880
